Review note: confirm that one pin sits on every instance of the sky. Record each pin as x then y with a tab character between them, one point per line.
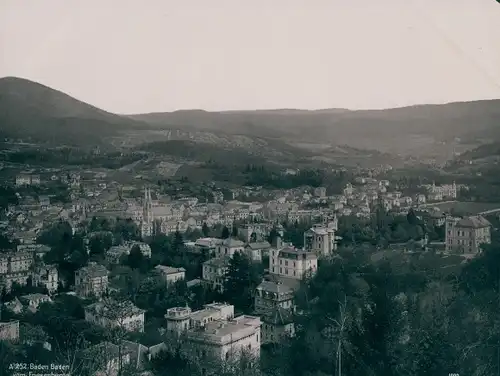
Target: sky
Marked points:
164	55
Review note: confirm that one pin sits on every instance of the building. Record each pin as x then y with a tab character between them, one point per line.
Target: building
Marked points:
48	277
15	267
270	295
110	313
15	262
23	180
181	319
9	331
147	222
465	235
438	193
292	263
208	245
34	300
255	251
170	274
227	339
320	192
277	325
214	272
229	247
320	239
91	280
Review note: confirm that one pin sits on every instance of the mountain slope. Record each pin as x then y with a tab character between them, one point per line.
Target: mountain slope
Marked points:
34	111
31	110
409	130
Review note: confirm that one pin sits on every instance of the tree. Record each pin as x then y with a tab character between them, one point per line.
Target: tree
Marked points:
411	217
234	232
241	279
205	230
135	258
225	233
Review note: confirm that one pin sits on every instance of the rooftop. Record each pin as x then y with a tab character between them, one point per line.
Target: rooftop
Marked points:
274	286
94	270
233	243
224	332
473	222
259	245
169	269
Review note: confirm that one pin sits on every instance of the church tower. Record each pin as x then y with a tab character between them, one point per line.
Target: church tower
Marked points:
147	224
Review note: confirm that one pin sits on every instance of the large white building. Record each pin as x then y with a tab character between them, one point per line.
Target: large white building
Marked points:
292	263
228	339
180	319
320	239
111	313
465	235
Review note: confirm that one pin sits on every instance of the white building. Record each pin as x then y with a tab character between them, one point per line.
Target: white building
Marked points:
181	319
228	339
229	247
255	251
320	239
170	274
111	313
91	280
466	235
214	272
292	263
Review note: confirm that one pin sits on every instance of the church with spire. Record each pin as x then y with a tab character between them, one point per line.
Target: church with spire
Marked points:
147	223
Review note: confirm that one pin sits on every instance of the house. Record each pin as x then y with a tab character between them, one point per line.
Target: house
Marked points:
208	245
34	300
23	180
170	274
227	339
277	325
44	202
320	239
273	294
91	280
465	235
292	263
214	272
48	277
180	319
229	247
9	331
111	314
255	251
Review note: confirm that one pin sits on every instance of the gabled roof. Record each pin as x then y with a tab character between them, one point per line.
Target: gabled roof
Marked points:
258	245
233	243
473	222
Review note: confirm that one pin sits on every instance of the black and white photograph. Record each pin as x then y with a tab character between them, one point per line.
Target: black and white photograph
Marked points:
249	188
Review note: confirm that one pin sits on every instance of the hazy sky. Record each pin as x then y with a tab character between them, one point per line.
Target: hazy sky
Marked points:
162	55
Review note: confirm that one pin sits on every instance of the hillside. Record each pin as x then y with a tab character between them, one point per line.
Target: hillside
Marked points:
32	111
425	130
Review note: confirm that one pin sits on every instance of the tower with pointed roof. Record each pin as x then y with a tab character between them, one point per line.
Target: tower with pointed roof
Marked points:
147	224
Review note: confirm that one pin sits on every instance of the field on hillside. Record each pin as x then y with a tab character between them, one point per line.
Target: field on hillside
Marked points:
466	207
